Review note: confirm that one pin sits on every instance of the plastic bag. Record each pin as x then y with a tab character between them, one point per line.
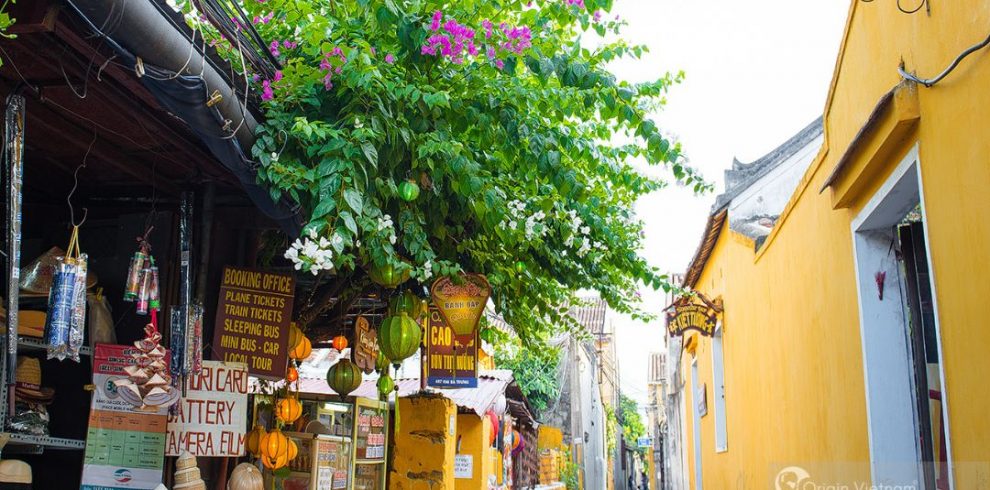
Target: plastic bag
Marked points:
30	418
66	321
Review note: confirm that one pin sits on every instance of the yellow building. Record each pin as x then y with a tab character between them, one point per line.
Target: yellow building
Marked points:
853	346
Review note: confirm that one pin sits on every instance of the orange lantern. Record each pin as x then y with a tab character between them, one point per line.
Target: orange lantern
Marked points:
275	450
288	410
295	335
292	375
302	350
293	450
340	343
253	440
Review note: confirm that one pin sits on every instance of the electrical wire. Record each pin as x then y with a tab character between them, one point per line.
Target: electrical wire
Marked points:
924	3
929	82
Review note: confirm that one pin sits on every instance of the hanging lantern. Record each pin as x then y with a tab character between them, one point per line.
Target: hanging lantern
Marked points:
293	450
295	335
494	433
520	267
516	440
275	450
302	350
385	386
288	410
381	364
292	375
408	190
462	304
344	377
399	337
253	440
388	275
339	343
407	302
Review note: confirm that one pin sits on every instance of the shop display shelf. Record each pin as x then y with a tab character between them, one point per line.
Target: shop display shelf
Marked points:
49	442
31	343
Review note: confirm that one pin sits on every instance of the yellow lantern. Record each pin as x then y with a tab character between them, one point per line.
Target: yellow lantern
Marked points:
288	410
293	450
253	440
302	350
275	450
295	335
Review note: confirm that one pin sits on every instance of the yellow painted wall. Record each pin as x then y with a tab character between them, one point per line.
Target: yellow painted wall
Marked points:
423	451
474	433
794	371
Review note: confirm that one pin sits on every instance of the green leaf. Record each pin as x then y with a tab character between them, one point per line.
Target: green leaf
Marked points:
370	153
353	199
349	221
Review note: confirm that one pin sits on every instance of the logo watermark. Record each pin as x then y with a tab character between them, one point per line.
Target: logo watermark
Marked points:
799	478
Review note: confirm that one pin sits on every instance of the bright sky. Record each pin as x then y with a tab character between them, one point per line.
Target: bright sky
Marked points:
756	73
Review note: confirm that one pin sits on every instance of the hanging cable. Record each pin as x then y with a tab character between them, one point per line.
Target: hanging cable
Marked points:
929	82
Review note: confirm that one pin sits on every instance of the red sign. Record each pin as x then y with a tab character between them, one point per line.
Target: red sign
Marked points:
449	362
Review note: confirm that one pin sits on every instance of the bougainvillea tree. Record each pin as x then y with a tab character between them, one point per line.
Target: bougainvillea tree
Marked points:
473	135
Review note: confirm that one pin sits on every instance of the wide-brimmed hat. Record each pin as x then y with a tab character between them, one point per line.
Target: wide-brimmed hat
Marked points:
36	277
14	471
28	381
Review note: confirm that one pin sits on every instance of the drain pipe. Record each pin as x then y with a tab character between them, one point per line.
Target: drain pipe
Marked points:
139	27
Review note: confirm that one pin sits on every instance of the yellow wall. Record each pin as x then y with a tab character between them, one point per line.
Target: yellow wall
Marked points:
474	433
793	361
423	452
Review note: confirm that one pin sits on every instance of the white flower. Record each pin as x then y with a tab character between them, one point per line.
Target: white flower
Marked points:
314	270
585	230
563	253
357	243
274	156
312	233
299	265
310	249
292	254
392	239
512	224
297	244
324	243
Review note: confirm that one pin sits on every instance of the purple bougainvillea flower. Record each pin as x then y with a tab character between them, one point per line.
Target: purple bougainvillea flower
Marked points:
435	24
256	78
266	91
289	44
499	64
487	25
389	58
597	16
273	48
278	76
490	52
327	83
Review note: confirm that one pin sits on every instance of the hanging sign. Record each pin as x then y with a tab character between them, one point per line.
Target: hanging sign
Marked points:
450	362
253	316
211	419
701	315
462	302
125	445
365	345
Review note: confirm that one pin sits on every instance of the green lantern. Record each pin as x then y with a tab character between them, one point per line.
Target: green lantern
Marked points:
381	364
385	386
399	337
388	275
408	190
520	267
344	377
407	302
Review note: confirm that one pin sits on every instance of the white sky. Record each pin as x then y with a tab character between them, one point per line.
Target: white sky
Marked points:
757	72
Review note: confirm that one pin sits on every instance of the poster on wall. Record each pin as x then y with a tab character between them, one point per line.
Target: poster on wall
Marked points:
464	466
211	419
125	446
370	429
449	363
254	311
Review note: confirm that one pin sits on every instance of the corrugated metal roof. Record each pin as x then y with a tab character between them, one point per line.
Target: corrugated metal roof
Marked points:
591	314
479	400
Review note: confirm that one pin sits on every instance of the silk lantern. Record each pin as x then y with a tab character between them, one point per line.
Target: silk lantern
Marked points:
344	377
253	440
302	350
275	450
288	410
388	275
399	337
339	343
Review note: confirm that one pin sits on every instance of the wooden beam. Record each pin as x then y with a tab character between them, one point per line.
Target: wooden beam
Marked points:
32	16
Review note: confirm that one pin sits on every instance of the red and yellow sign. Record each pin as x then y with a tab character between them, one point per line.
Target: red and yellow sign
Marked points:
701	316
462	302
450	362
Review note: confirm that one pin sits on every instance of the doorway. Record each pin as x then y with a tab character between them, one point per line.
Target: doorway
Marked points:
695	396
902	361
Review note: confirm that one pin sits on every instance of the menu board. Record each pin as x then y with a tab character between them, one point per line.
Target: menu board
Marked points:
254	312
370	430
125	447
369	476
333	461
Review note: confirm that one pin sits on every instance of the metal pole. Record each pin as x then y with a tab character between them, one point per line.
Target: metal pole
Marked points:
13	177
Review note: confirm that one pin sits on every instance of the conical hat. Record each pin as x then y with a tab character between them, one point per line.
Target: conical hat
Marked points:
36	277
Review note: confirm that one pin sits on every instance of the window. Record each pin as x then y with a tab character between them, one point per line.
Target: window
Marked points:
718	390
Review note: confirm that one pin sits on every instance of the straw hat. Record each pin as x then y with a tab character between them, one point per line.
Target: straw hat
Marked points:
14	471
36	277
28	381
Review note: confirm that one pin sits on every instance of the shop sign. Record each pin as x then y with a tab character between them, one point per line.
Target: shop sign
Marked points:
464	466
461	302
125	446
701	316
450	362
211	418
370	430
365	345
644	442
254	312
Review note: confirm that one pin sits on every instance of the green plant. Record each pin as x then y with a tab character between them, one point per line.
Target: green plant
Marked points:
611	422
534	371
570	474
632	421
525	148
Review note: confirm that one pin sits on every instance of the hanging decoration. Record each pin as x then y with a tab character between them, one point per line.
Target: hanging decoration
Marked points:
148	383
12	178
388	275
344	377
295	335
66	321
302	350
364	353
407	302
252	442
385	386
292	374
288	410
382	363
399	337
408	190
339	343
462	302
275	449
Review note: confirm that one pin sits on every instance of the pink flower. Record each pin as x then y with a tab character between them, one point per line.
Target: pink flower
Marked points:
597	16
256	78
389	58
264	19
491	53
267	93
576	3
487	24
437	17
273	48
499	64
327	83
278	76
289	44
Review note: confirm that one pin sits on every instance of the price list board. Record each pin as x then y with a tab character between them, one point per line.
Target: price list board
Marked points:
370	441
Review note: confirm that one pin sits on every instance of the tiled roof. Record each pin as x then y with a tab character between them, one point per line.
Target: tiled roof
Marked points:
590	314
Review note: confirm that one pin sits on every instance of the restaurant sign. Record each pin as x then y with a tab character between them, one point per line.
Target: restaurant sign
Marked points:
701	316
365	350
451	362
461	302
254	312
